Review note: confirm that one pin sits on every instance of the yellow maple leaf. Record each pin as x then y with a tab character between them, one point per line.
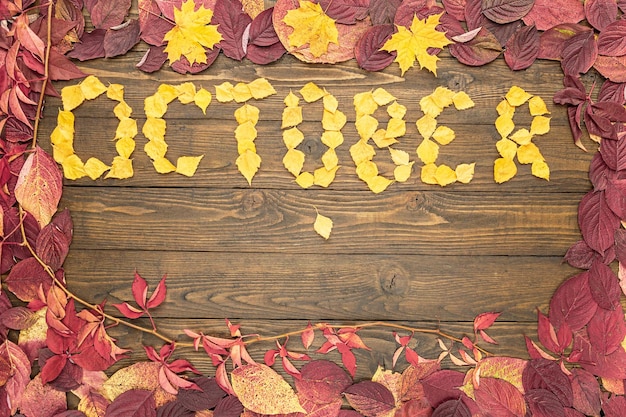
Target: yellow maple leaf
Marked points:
323	225
311	26
191	34
248	164
412	44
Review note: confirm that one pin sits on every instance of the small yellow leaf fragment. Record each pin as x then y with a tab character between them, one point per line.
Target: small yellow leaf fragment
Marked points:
396	110
121	168
503	170
224	92
247	113
541	170
186	92
444	135
330	159
366	126
125	147
73	167
294	161
529	153
517	96
94	168
362	151
330	103
323	176
202	99
465	172
72	96
402	173
311	92
187	165
382	97
428	151
537	106
364	104
426	126
540	125
292	116
332	139
241	92
399	157
305	180
504	125
163	165
92	87
261	88
462	101
445	175
248	164
506	148
522	137
333	121
291	100
505	109
323	225
378	184
293	137
428	174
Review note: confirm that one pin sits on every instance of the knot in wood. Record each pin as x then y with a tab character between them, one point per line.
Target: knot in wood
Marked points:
415	202
312	147
393	280
459	81
253	200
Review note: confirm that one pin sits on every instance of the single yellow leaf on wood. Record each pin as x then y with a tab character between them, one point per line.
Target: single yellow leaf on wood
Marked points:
382	97
94	168
399	157
465	172
323	225
292	116
291	100
366	126
381	140
241	92
426	126
62	151
245	145
541	170
333	121
224	92
155	149
462	101
444	135
125	147
330	138
305	180
442	97
503	170
72	96
311	92
378	184
504	125
163	165
428	151
121	168
364	104
73	167
261	88
248	164
155	106
395	128
428	174
529	153
294	161
362	151
202	99
402	173
429	107
324	177
540	125
186	92
517	96
293	137
506	148
366	170
247	113
330	159
245	132
537	106
396	110
187	165
330	103
115	92
122	110
521	137
168	92
311	26
505	109
445	175
126	128
92	87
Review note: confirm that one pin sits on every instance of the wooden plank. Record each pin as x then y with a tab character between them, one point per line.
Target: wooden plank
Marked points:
323	287
274	221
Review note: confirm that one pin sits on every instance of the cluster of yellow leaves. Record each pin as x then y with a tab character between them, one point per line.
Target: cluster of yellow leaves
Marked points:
247	117
311	26
428	151
412	43
333	121
191	34
519	143
363	153
62	137
155	107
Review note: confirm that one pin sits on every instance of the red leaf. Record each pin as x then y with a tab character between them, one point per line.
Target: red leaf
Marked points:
552	40
579	53
604	286
481	50
308	336
611	91
368	54
572	303
120	39
128	311
607	330
62	69
27	38
484	321
580	255
547	374
505	11
174	409
263	55
548	335
499	398
42	400
229	406
442	385
153	59
108	13
133	403
600	12
455	8
586	390
474	16
606	366
52	246
614	407
232	22
370	398
548	13
206	399
522	48
346	12
159	294
543	403
597	221
383	11
322	381
452	408
91	46
616	199
26	278
613	68
182	65
52	368
140	290
262	31
611	41
16	385
18	318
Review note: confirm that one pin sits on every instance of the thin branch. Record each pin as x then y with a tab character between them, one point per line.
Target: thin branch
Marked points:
46	76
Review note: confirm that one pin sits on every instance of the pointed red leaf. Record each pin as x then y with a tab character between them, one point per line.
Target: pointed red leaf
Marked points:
452	408
612	67
52	368
232	22
586	390
128	311
263	55
579	53
474	16
262	31
133	403
522	48
346	12
606	366
153	59
25	279
481	50
607	330
368	51
120	39
546	14
91	46
455	8
572	303
604	286
52	246
62	69
611	91
229	406
370	398
547	374
505	11
484	321
614	406
442	385
611	41
543	403
497	397
383	11
140	290
597	221
159	294
18	318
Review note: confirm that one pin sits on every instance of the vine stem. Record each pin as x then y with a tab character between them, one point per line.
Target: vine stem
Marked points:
46	76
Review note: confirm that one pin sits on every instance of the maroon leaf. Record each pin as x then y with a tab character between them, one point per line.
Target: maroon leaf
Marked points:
383	11
263	55
153	59
607	330
611	67
20	376
369	56
52	246
616	197
182	65
579	53
611	41
229	406
153	26
522	48
120	39
580	255
504	32
611	91
481	50
572	303
586	392
370	398
91	46
232	22
604	286
597	221
208	398
42	400
109	13
346	12
547	374
548	13
133	403
474	16
415	8
452	408
543	403
614	406
174	409
600	12
262	32
322	381
606	366
25	279
551	41
613	152
497	397
505	11
18	318
442	385
455	8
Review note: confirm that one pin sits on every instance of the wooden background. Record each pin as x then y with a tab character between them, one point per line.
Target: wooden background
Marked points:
416	254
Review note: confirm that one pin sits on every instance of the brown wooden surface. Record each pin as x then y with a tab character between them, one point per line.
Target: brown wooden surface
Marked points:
416	254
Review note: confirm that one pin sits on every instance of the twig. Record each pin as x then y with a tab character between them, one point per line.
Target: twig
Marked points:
46	72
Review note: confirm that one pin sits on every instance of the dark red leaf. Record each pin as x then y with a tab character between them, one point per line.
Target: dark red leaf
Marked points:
153	59
611	41
452	408
61	68
370	398
208	398
409	9
580	255
552	41
474	16
25	279
229	406
263	55
369	56
120	39
604	286
547	374
549	337
579	53
543	403
108	13
572	303
586	390
573	117
18	318
133	403
52	368
607	330
504	32
52	246
481	50
455	8
597	221
606	366
611	91
499	398
383	11
232	22
442	385
505	11
611	67
322	381
158	295
614	406
91	46
522	48
346	12
600	12
153	26
262	31
174	409
546	14
182	65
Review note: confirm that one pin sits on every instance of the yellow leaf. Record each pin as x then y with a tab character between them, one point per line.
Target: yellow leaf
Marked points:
324	177
155	106
426	126
412	44
62	151
330	159
366	126
396	110
241	92
311	26
402	173
187	165
191	34
94	168
330	103
333	121
292	116
364	104
323	225
72	96
428	174
294	161
428	151
247	113
154	128
537	106
503	170
224	92
382	97
155	149
504	125
429	107
125	147
115	92
311	92
516	96
529	153
121	168
465	172
122	110
293	137
362	151
541	170
245	132
202	99
168	92
462	101
540	125
505	109
366	170
445	175
186	92
291	100
381	140
305	180
442	97
378	184
399	157
73	167
521	137
248	164
92	87
506	148
126	128
141	375
245	145
163	165
444	135
331	138
261	88
395	128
